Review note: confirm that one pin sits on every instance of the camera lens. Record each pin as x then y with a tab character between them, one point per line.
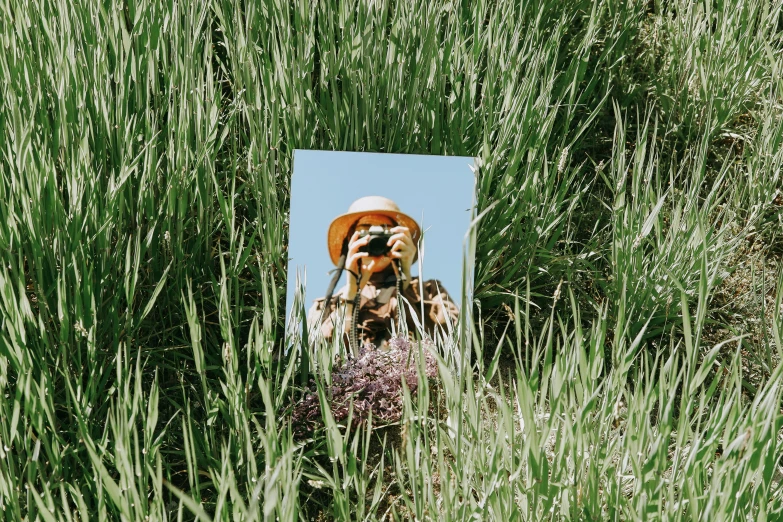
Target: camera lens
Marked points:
377	245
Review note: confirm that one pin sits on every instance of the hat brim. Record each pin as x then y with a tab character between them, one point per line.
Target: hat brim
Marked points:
339	228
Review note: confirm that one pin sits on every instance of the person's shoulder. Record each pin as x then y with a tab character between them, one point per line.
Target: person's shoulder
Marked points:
319	304
316	306
429	285
320	301
337	297
429	281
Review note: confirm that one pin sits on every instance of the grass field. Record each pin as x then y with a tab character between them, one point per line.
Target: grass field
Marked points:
624	358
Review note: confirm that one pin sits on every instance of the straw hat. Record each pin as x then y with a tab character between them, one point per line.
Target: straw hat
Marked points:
339	228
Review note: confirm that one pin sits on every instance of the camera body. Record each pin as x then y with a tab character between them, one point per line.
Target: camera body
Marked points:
379	236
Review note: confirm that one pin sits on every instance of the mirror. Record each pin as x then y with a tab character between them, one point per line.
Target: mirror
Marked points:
407	215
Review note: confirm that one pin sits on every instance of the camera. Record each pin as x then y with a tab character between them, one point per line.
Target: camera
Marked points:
379	236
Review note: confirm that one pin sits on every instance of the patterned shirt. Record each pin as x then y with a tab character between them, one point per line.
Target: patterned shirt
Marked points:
378	309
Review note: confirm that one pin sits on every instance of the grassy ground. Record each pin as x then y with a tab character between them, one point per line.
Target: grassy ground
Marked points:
624	358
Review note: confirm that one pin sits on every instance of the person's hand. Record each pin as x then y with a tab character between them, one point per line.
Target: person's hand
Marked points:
352	261
402	248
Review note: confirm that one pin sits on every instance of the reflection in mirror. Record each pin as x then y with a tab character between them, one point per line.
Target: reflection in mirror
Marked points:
376	246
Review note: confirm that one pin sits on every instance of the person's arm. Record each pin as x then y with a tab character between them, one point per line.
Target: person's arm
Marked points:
328	321
403	249
444	309
314	315
439	308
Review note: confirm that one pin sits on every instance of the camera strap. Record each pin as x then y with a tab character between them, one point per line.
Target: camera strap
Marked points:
402	323
338	271
357	300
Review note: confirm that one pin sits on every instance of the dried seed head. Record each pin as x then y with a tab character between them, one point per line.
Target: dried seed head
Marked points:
561	165
79	327
557	290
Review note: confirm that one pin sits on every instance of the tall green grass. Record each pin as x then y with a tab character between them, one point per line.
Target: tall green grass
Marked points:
629	152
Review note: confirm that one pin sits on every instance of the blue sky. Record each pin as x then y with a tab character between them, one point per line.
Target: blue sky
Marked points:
436	191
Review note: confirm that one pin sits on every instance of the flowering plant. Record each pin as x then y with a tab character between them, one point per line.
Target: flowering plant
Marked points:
371	382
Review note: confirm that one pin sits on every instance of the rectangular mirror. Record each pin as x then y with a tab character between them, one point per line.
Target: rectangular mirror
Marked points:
397	223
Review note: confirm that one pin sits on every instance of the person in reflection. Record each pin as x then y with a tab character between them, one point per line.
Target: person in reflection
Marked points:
379	245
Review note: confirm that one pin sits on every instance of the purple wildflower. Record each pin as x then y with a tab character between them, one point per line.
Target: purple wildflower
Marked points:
373	380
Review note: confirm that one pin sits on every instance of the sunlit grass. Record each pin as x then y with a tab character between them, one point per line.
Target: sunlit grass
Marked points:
629	154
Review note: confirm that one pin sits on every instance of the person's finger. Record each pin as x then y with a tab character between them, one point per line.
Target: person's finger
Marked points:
358	255
370	266
353	260
359	241
406	246
356	245
402	250
401	255
402	230
399	237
